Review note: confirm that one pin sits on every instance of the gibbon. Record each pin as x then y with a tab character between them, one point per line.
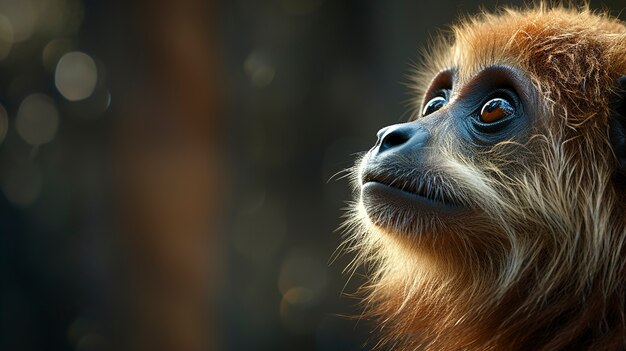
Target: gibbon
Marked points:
495	219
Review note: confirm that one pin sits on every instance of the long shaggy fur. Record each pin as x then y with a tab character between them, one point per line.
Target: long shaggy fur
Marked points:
543	267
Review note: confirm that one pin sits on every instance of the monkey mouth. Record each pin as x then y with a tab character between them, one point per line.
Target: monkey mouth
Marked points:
379	195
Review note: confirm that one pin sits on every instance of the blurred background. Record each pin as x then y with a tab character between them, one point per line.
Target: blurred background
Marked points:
166	167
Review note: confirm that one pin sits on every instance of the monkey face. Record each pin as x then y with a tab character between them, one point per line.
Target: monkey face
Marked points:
410	181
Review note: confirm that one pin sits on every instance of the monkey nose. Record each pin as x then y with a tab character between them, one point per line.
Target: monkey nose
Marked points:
396	136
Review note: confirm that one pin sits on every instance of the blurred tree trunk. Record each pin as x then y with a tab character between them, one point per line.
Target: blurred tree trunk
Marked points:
170	178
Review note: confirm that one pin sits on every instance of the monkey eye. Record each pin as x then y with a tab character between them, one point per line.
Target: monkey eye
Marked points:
495	110
433	105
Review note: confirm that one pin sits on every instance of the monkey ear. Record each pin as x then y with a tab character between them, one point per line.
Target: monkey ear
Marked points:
617	126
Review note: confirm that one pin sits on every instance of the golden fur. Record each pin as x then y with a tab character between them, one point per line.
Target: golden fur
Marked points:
543	267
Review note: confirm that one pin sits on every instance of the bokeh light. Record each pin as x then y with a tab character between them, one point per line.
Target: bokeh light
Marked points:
303	270
22	184
302	282
259	68
23	16
37	119
76	76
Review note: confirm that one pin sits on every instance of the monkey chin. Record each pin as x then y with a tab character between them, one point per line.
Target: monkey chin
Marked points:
409	213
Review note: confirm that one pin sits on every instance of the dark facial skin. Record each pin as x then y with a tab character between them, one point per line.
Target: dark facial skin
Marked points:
401	176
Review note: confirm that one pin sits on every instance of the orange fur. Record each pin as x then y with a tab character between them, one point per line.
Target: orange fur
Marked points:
544	269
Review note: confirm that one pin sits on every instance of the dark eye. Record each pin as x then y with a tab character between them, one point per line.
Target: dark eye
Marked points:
433	105
495	110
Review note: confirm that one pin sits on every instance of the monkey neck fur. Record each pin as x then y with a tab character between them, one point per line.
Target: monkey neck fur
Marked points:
540	295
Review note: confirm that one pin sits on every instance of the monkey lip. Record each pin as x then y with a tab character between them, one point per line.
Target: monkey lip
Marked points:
379	197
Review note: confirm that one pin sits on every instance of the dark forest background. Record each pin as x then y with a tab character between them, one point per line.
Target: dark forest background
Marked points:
166	167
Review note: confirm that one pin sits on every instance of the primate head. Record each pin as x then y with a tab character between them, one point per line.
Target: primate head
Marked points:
495	218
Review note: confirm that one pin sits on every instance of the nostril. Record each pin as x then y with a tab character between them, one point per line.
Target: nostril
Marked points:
394	138
403	136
